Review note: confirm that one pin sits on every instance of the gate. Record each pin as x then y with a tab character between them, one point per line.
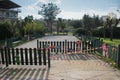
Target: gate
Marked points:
16	56
66	46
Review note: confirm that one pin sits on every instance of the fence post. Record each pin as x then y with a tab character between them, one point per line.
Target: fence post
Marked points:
65	46
35	56
22	57
39	55
48	58
13	56
38	44
6	57
26	56
9	57
119	55
17	56
2	56
30	56
44	56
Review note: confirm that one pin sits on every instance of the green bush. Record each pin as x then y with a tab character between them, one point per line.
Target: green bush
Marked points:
99	32
4	32
80	31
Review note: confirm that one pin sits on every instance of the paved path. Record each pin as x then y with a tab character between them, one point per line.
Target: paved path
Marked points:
33	44
63	67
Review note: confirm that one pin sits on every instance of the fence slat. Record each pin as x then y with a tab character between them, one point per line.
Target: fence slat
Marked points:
119	56
30	54
39	56
6	57
17	56
48	58
9	56
35	56
22	57
13	56
2	56
26	56
44	56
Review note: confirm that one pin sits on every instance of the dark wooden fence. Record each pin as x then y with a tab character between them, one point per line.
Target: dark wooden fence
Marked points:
113	52
15	56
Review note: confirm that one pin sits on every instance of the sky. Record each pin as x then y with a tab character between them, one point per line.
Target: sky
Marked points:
71	9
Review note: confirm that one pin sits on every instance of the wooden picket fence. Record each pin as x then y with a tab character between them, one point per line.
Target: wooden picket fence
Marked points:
66	46
16	56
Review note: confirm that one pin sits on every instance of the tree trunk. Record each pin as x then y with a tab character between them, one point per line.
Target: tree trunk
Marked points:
51	28
104	33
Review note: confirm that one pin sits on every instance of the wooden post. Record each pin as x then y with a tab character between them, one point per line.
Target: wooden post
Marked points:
30	56
51	45
2	56
39	54
6	57
119	55
13	56
49	58
22	57
55	44
26	56
38	44
17	56
35	56
65	46
9	56
44	56
60	47
57	47
74	47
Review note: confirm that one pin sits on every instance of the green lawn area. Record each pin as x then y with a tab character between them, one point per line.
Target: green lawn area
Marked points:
115	42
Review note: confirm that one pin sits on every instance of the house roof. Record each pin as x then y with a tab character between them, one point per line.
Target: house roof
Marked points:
7	4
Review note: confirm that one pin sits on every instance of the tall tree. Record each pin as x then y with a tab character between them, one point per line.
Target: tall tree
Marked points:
59	22
49	12
88	24
112	22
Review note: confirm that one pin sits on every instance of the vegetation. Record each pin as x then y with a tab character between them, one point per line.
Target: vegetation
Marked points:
49	12
18	29
97	27
61	26
115	42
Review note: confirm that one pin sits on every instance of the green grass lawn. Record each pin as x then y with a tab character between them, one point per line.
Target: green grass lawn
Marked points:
115	42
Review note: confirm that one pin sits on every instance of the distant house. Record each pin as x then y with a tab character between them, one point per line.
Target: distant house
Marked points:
9	9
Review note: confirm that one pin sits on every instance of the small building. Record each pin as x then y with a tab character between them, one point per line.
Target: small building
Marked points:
9	9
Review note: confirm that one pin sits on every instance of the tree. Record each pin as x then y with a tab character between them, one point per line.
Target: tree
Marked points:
88	24
77	23
28	19
49	12
112	22
4	31
104	28
59	22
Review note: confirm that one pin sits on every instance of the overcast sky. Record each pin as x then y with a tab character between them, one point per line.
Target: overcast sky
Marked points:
71	9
